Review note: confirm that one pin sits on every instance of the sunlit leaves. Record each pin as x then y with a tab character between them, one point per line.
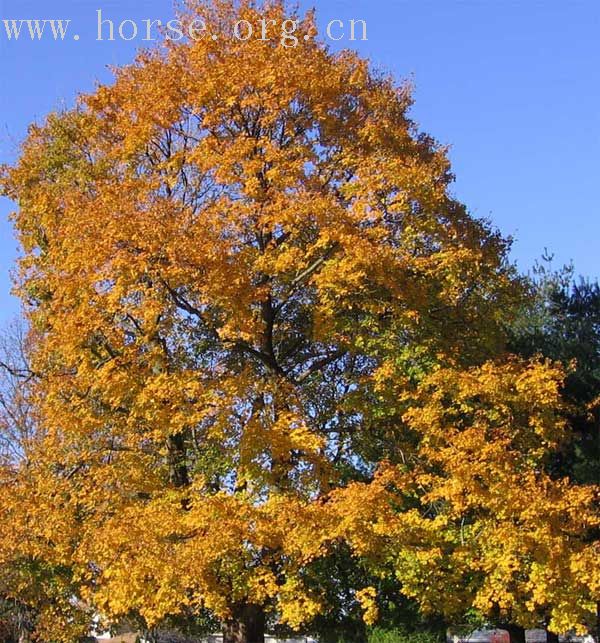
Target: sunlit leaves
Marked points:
264	327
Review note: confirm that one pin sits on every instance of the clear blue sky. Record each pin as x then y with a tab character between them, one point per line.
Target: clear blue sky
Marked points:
512	85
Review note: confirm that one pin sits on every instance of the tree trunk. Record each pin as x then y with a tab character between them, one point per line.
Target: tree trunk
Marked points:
515	632
551	637
246	626
440	627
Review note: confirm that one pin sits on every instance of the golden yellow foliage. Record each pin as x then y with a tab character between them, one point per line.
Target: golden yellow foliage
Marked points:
254	305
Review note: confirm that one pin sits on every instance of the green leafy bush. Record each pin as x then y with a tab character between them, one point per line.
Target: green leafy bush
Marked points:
380	635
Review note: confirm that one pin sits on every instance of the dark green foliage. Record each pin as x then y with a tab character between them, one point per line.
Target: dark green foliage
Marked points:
343	622
561	321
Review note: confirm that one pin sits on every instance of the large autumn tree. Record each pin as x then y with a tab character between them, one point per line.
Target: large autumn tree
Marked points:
253	300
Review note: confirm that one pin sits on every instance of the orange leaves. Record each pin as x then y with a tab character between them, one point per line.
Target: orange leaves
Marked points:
366	598
516	401
263	328
484	436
